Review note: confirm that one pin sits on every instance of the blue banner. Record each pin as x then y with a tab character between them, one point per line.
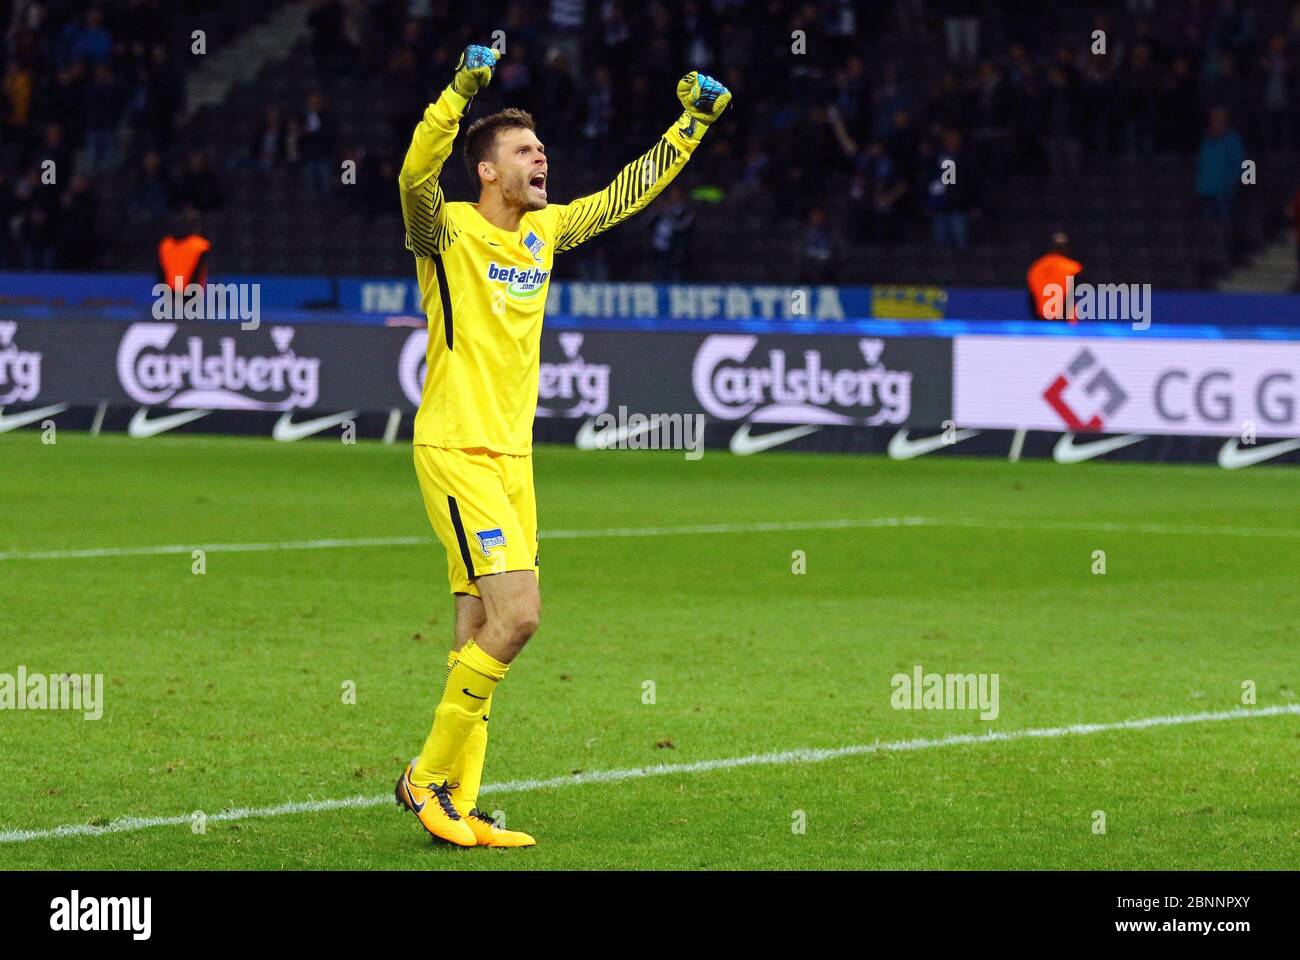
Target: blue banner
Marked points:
380	300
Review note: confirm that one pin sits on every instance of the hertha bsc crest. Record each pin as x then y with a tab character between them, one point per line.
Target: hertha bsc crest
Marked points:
488	540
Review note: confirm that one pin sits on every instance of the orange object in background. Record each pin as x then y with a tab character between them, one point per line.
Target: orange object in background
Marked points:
1047	279
181	260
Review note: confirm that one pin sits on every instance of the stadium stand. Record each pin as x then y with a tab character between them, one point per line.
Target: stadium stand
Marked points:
1046	134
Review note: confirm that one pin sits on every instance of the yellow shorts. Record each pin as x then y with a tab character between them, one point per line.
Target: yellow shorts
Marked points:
483	508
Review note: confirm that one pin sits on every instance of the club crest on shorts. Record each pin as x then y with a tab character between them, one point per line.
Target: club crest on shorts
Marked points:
488	540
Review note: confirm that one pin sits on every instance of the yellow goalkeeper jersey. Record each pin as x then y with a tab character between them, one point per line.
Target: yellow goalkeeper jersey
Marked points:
484	288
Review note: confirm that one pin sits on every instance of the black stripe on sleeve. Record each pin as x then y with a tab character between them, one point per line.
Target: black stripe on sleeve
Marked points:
465	557
445	295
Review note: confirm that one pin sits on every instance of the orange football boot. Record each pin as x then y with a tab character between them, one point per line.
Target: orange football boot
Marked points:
490	835
432	806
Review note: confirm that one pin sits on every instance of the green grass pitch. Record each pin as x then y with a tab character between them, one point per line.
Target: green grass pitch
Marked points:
225	690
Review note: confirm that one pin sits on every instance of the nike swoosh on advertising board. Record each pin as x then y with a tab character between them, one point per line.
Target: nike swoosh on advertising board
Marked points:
13	421
743	443
1233	456
1067	451
901	448
608	439
286	431
141	427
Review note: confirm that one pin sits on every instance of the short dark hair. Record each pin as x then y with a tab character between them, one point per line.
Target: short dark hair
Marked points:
480	138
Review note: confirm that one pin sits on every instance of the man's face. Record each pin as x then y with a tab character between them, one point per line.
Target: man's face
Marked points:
520	168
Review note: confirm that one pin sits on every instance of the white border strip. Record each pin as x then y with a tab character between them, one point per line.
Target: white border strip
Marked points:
1087	526
133	824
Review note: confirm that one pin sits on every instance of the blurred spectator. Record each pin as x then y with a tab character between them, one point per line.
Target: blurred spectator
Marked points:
315	143
183	253
1062	114
670	237
558	91
1141	100
889	99
269	148
952	194
514	77
154	98
371	193
639	113
853	85
567	20
1226	89
1180	108
1028	142
904	145
79	244
879	190
102	110
961	24
1279	78
819	260
85	41
949	102
38	225
329	45
598	108
16	99
1048	278
54	147
197	186
756	162
1101	105
152	190
991	117
1218	169
292	142
876	190
616	38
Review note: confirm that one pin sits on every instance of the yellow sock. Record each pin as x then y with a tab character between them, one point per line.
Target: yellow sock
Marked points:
453	658
467	770
468	689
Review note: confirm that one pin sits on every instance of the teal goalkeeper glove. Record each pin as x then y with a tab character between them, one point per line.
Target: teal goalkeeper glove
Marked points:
703	97
474	70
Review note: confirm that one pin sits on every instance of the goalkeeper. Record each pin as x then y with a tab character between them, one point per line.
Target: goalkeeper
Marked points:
483	270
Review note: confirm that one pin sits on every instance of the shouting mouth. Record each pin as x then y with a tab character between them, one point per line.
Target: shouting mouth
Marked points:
538	183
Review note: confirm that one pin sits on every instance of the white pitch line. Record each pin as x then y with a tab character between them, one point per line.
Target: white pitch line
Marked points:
1103	526
1087	526
807	755
97	552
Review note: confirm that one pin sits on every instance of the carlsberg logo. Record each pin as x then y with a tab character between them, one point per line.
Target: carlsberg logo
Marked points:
576	379
733	381
20	370
520	284
155	372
